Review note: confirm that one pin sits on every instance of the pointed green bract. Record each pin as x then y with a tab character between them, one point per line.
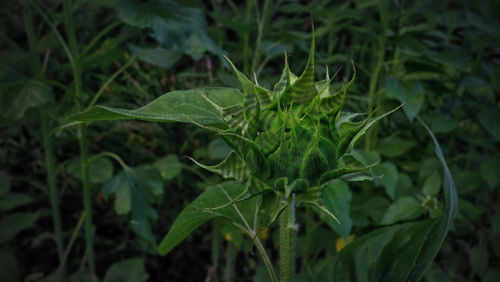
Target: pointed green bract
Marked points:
304	89
232	167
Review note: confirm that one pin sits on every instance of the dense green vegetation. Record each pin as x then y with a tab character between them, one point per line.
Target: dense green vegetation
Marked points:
120	200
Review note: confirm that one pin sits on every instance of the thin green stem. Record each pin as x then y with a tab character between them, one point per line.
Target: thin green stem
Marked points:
231	253
48	147
97	37
110	155
261	20
110	79
373	97
87	200
288	231
73	237
82	133
51	180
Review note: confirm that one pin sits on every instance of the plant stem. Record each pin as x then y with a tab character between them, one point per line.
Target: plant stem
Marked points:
288	230
371	137
87	200
48	148
231	253
261	20
82	133
51	180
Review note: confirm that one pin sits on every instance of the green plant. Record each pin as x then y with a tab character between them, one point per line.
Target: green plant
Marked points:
288	145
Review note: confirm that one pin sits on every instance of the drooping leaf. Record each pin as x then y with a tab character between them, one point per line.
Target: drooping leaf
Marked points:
177	106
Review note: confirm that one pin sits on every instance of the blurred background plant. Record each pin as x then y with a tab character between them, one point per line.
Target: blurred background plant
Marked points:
59	57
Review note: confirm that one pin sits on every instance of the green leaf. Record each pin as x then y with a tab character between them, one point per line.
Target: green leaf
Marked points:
14	200
174	26
404	208
449	59
169	166
395	146
411	94
14	223
441	123
416	97
158	56
386	254
468	181
401	252
15	100
135	190
394	89
100	170
177	106
489	171
208	206
131	270
432	184
444	222
389	180
337	197
5	182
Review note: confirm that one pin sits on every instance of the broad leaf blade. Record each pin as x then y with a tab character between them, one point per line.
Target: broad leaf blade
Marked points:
199	212
177	106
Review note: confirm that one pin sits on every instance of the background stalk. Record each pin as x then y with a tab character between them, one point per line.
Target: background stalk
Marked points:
51	181
48	148
374	98
288	232
82	135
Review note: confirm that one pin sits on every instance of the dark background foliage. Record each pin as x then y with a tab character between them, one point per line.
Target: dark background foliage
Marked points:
440	57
